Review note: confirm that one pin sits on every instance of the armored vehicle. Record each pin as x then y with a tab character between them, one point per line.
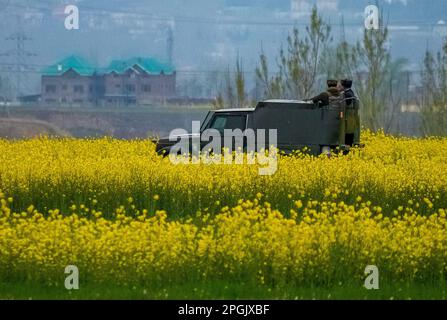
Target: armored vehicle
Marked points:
300	125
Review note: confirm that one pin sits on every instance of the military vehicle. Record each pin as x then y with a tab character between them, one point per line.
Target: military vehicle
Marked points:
300	125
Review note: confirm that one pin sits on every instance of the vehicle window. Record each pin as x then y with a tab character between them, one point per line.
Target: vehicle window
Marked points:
222	122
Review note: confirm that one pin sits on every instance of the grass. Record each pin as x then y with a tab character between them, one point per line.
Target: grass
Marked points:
221	290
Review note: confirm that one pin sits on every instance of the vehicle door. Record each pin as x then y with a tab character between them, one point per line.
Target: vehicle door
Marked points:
231	127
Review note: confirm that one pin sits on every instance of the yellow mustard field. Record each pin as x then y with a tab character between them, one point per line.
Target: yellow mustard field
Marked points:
118	211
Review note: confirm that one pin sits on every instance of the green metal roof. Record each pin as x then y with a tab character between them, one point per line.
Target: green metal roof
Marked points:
149	65
75	63
84	68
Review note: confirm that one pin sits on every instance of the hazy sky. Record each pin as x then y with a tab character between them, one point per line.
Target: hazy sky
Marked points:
208	34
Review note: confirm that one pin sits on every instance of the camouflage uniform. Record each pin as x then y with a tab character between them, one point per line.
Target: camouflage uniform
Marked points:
352	116
325	98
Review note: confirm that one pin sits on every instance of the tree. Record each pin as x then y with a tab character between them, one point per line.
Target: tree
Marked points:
239	79
299	65
272	85
433	97
233	92
378	79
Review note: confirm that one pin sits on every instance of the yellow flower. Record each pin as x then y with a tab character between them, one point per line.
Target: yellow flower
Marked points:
331	228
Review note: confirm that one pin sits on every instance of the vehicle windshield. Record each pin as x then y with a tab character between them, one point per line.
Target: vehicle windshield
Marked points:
206	120
231	122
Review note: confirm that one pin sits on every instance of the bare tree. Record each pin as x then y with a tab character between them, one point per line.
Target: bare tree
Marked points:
239	80
433	97
272	85
298	64
378	79
233	92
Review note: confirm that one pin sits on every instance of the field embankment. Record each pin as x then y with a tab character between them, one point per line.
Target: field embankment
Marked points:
123	122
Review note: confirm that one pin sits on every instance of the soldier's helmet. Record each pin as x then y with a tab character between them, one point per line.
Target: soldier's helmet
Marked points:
332	83
346	83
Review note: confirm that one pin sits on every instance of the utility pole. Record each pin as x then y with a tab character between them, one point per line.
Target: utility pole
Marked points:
170	45
20	55
170	53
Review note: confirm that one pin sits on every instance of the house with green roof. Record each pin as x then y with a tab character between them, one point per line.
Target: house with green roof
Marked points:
148	65
71	81
140	80
72	63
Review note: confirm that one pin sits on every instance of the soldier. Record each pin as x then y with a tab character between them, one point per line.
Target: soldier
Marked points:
346	87
352	113
332	92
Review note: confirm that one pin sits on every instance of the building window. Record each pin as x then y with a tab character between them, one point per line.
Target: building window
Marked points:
50	88
146	87
130	88
64	87
79	89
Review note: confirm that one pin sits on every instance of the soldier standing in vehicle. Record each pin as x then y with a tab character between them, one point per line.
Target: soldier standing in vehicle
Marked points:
324	98
346	87
352	113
